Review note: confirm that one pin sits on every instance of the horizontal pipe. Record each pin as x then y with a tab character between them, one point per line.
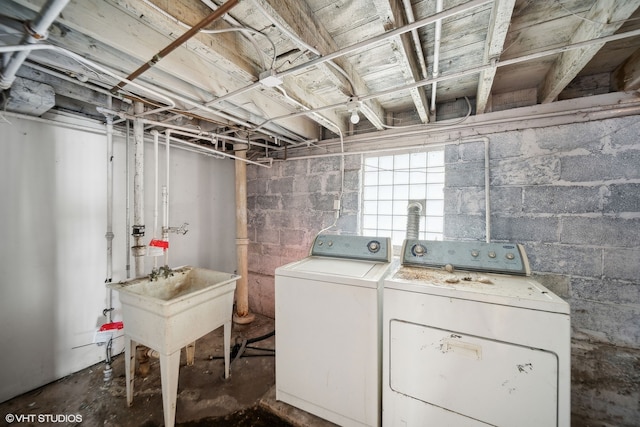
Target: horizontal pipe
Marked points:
228	5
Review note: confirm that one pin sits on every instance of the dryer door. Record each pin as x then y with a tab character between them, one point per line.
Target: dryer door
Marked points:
494	382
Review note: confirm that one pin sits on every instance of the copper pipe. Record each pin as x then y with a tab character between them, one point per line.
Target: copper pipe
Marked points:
179	41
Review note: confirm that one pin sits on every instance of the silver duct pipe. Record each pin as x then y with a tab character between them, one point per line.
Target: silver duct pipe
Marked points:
37	31
413	220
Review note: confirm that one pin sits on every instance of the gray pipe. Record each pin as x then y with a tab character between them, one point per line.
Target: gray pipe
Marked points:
37	31
413	220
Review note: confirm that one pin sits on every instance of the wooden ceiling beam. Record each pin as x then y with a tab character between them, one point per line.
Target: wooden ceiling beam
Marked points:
393	15
498	28
627	76
298	17
603	19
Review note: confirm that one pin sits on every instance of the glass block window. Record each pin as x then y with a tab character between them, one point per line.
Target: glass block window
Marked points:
391	182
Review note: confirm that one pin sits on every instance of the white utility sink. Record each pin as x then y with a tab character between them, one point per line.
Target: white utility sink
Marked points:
172	311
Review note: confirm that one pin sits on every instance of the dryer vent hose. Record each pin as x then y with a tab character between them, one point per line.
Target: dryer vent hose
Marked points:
413	220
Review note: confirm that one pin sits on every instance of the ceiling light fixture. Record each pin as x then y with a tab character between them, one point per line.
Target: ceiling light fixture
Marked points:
355	118
353	105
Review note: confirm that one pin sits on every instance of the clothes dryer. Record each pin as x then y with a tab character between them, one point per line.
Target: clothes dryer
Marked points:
469	339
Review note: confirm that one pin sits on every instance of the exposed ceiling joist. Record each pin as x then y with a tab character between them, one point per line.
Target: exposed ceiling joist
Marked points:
497	33
405	52
603	19
627	75
298	18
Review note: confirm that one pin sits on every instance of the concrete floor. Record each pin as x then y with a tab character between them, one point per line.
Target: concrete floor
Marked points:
247	398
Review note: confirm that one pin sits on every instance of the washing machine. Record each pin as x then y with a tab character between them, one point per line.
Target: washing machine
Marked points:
328	329
470	339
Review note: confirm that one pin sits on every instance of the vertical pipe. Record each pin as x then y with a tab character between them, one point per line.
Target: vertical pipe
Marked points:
109	234
127	203
487	194
165	197
436	55
138	192
242	315
155	134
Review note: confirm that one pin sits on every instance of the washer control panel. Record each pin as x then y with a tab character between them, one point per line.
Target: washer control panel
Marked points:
353	247
509	258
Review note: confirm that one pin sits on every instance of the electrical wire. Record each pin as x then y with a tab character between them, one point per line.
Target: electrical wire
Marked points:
243	29
622	21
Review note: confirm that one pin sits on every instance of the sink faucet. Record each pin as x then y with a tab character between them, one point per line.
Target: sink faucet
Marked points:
178	230
164	271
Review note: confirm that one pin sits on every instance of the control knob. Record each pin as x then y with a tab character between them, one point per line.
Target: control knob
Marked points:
373	246
419	250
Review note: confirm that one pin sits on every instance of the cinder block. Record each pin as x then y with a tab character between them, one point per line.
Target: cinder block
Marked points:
601	167
464	227
561	199
506	200
525	171
559	284
505	145
623	264
564	259
621	132
451	154
601	231
613	323
524	228
324	164
265	235
348	224
472	201
353	162
296	202
295	168
471	151
289	237
304	184
280	185
468	174
332	182
352	180
451	201
321	202
605	290
623	198
267	202
351	202
583	135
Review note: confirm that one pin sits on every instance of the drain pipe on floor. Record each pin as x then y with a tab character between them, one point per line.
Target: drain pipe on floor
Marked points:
242	315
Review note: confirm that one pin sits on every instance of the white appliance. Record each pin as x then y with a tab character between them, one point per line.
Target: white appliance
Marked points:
487	346
328	329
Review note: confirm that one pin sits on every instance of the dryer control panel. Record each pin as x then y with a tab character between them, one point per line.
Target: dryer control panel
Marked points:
509	258
353	247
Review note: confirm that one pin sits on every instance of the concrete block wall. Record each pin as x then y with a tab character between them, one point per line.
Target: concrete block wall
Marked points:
571	195
288	205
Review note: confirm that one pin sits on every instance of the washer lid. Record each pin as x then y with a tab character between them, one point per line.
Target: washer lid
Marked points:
336	270
501	289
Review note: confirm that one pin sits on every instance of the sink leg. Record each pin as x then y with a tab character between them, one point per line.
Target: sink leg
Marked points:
129	366
191	354
227	347
169	371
